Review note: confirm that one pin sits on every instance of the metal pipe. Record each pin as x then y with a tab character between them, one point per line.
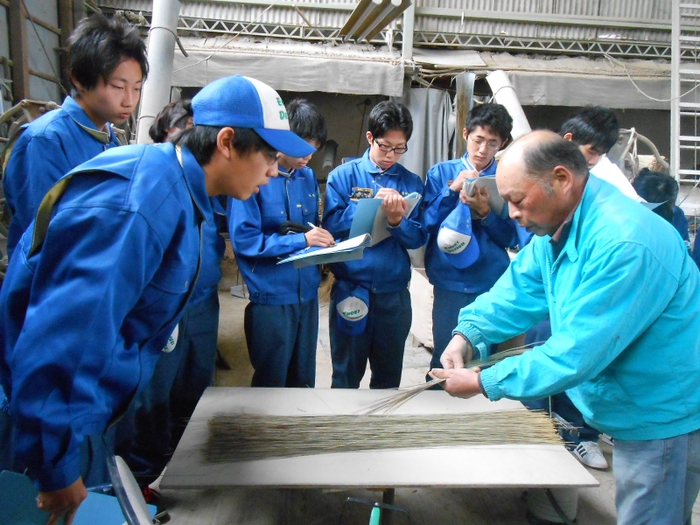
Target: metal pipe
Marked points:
675	88
409	17
161	50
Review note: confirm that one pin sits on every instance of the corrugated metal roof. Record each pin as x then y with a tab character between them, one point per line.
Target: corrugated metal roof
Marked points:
551	19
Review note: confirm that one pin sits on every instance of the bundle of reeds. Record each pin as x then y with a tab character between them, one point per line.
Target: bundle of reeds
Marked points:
236	438
388	405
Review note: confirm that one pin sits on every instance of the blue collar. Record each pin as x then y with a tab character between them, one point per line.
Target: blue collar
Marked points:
195	180
370	167
490	169
77	113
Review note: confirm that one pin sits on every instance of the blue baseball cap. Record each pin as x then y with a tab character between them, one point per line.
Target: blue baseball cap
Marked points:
244	102
455	239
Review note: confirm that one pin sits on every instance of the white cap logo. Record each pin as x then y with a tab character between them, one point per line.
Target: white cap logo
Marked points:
172	340
452	242
352	308
274	112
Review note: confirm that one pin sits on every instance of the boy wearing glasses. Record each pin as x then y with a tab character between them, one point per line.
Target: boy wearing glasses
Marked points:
370	311
487	130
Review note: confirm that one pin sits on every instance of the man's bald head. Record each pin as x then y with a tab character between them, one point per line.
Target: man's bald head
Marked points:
542	177
540	152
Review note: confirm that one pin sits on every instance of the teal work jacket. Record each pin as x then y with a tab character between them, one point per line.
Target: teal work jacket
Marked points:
624	301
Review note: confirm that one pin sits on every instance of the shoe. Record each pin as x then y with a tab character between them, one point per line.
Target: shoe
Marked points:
588	453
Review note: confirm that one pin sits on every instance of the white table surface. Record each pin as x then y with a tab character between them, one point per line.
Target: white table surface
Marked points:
463	466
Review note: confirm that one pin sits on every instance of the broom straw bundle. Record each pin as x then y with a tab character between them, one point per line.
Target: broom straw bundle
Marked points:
388	405
237	438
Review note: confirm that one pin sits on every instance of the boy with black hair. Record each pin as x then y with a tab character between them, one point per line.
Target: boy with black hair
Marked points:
595	130
102	276
281	320
172	119
486	131
658	188
107	66
376	322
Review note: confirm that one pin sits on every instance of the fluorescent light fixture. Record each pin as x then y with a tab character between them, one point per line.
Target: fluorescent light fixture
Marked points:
370	17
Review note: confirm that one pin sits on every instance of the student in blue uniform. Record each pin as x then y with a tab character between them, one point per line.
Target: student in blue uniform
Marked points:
99	281
662	189
107	65
486	131
380	279
281	320
163	409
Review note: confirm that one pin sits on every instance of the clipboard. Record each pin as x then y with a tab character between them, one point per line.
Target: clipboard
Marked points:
371	219
496	202
348	250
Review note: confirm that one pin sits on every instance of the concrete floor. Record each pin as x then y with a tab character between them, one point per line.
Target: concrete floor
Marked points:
473	506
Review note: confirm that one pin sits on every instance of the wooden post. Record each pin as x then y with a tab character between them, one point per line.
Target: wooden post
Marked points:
465	101
18	51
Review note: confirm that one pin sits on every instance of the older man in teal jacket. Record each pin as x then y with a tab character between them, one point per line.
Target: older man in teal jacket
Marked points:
621	291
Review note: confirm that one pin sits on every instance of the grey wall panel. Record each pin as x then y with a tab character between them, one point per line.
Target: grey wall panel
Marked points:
42	49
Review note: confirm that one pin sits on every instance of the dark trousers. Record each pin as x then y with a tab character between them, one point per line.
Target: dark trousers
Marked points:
282	342
382	343
446	307
160	413
560	403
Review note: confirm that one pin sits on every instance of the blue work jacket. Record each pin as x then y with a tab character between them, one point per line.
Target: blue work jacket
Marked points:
254	226
386	266
622	296
47	149
84	319
493	234
213	248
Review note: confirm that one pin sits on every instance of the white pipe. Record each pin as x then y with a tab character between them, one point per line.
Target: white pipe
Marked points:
161	50
504	94
407	40
675	88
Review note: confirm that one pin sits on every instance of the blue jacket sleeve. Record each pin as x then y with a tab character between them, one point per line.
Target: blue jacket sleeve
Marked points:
82	289
439	201
338	210
248	237
410	232
31	171
501	231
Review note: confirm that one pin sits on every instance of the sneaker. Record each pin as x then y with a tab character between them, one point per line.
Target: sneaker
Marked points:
588	453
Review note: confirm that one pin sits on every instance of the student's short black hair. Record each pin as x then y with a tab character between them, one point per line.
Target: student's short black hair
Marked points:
493	117
99	44
173	115
201	141
593	125
306	121
388	116
654	186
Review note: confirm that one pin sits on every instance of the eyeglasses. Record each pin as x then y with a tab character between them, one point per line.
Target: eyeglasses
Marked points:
385	148
492	144
272	155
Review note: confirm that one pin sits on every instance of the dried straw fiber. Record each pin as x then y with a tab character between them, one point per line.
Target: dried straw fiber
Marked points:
237	438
